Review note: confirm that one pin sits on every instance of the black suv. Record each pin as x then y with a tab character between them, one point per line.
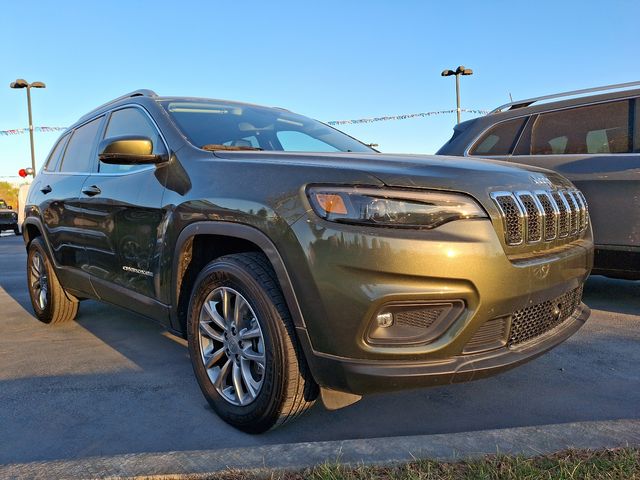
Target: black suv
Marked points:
298	261
8	218
593	140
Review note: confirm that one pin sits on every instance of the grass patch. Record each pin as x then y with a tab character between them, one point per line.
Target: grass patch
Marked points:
618	464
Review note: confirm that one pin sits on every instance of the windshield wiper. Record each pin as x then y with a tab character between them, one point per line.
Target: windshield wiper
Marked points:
214	146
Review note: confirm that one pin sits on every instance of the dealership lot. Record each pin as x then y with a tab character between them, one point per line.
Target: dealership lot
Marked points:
115	383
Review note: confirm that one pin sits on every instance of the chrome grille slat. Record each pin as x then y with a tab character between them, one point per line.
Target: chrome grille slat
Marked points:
583	210
575	211
533	216
513	216
564	222
551	215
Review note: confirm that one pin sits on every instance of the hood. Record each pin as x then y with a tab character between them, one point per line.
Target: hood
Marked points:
478	177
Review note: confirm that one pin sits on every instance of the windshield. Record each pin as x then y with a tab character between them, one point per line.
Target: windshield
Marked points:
215	125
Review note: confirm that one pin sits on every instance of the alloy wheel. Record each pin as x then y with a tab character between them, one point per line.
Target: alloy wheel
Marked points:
38	280
232	346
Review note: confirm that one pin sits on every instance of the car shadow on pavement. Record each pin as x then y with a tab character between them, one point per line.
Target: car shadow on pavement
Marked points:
612	295
115	382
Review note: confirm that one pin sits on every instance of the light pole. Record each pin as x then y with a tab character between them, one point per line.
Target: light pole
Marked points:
459	71
22	83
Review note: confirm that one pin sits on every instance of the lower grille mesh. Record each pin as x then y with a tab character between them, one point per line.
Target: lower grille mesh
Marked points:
536	320
419	318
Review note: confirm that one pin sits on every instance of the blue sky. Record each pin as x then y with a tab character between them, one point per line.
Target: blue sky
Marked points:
329	60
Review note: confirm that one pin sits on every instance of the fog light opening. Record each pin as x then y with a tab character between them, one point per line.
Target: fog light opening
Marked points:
385	320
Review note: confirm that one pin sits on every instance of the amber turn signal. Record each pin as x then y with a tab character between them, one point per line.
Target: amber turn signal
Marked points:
331	203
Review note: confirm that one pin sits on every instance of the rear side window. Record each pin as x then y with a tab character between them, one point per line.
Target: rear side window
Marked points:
80	153
131	121
55	155
594	129
499	139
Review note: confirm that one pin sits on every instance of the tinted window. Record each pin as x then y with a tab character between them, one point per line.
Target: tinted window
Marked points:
500	139
79	156
56	154
131	121
213	124
603	128
294	141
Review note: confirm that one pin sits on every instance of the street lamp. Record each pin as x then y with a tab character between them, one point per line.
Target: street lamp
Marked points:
22	83
459	71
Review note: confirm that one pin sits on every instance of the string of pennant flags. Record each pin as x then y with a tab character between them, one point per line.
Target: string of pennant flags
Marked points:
20	131
404	117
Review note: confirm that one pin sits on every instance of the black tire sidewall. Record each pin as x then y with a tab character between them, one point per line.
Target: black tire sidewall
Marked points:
258	415
44	315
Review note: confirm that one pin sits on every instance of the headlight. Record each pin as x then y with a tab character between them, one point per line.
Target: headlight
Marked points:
392	208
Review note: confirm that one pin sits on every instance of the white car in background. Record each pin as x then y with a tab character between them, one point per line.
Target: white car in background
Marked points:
22	198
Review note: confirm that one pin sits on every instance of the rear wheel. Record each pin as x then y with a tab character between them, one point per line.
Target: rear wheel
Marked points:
50	302
243	347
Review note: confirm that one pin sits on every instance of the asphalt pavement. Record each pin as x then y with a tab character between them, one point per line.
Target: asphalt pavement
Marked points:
116	383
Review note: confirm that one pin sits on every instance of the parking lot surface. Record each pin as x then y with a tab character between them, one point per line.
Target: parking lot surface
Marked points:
115	383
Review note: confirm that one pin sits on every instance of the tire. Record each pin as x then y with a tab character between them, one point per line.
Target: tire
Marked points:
51	304
16	230
265	396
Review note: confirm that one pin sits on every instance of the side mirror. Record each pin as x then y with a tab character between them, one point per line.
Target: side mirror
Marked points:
128	150
9	207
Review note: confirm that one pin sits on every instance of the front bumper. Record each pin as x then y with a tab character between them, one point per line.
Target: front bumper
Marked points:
343	275
8	224
369	376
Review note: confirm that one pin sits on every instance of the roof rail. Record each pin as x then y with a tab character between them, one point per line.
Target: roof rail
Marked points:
136	93
529	101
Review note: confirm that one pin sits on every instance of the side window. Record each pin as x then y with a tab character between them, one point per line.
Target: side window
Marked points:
295	141
131	121
55	155
79	155
603	128
500	139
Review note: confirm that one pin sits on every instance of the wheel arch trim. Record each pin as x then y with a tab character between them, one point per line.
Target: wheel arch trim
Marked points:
38	224
244	232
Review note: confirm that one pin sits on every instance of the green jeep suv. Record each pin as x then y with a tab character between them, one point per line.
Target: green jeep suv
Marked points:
299	262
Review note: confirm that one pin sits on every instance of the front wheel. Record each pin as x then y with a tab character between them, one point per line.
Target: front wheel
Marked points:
243	347
50	302
16	230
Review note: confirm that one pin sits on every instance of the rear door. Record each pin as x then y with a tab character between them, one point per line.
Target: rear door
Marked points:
57	195
594	147
122	207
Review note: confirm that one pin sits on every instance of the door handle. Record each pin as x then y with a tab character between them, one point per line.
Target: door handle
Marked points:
91	191
46	189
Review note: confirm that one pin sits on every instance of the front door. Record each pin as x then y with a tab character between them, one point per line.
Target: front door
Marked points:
122	205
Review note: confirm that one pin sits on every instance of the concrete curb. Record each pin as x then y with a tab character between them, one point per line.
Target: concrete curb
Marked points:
528	441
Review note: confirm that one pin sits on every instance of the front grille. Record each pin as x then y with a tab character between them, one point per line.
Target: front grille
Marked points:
419	318
536	320
491	334
529	217
6	216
